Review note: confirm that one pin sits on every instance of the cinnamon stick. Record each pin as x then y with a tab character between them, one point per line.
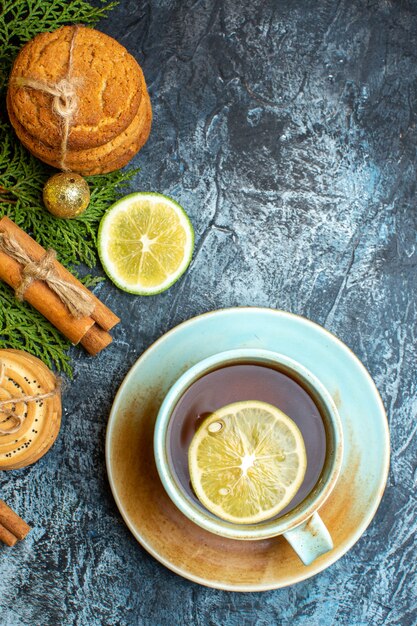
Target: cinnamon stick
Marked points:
89	330
45	301
11	523
95	340
101	314
7	537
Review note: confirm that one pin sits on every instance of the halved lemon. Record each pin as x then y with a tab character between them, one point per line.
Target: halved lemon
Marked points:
247	461
145	242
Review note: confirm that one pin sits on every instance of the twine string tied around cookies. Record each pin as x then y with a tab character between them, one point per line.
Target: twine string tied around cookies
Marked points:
65	99
75	299
64	102
7	414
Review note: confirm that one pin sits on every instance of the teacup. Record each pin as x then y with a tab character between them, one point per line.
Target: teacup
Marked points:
299	523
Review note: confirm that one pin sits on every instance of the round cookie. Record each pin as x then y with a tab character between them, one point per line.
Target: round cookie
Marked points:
104	76
24	375
102	159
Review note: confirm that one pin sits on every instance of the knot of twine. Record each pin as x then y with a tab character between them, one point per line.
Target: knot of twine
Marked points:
10	414
75	299
64	102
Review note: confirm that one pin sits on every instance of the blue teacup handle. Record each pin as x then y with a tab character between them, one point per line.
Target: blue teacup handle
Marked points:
310	539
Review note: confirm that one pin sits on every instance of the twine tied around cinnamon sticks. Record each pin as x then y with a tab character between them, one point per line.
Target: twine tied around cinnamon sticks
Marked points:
10	414
90	331
64	102
75	299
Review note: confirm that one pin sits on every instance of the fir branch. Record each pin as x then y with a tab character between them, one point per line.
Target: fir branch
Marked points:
22	178
23	328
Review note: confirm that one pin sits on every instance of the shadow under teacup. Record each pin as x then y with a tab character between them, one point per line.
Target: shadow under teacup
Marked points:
293	389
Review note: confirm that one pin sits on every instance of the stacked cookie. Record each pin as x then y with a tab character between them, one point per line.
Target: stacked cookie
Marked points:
28	427
78	101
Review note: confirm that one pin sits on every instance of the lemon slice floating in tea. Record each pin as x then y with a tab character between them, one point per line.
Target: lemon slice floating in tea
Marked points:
247	461
145	243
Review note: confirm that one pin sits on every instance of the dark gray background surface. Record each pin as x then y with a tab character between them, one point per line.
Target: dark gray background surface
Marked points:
287	130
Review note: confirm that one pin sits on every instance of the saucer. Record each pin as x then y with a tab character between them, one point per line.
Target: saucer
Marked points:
159	526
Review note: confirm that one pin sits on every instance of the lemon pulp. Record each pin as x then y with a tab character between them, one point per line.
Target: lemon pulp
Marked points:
247	461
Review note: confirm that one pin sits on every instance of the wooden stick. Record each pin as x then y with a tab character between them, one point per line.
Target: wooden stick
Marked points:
101	314
7	537
12	522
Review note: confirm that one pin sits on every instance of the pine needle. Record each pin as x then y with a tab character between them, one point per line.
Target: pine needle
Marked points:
22	178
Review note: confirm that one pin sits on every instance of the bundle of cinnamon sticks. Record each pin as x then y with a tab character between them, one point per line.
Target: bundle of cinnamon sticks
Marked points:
91	330
12	527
